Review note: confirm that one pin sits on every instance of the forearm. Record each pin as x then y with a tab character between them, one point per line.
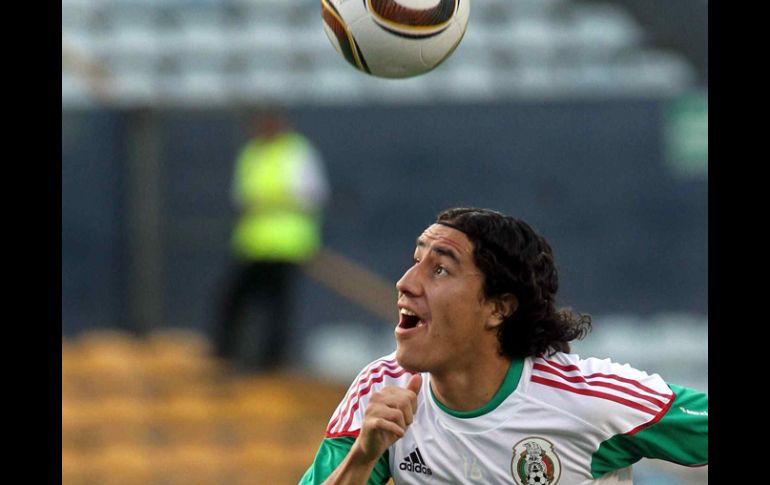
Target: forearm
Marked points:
355	469
362	456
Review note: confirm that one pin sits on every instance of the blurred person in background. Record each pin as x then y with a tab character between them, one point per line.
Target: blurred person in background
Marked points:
279	188
482	387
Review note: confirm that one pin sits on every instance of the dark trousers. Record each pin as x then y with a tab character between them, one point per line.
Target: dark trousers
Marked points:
255	315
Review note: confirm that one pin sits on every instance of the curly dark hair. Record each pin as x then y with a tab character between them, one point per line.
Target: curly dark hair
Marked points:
515	259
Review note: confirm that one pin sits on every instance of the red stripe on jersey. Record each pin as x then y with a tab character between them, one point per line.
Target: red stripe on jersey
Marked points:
352	392
354	434
586	392
374	367
609	376
655	419
366	390
608	385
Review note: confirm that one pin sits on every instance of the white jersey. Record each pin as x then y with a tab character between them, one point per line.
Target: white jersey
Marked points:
545	429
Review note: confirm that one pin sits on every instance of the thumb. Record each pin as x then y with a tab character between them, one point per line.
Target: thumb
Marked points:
415	383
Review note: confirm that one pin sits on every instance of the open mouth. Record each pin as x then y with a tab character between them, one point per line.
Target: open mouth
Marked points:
409	319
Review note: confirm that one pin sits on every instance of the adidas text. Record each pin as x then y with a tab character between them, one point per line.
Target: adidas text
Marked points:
414	462
409	467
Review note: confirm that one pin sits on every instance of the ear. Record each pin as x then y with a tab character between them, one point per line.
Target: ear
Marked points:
504	306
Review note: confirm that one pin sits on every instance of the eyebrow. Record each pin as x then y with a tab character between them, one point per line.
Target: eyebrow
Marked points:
441	251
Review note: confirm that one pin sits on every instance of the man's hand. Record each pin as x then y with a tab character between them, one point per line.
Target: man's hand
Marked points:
389	412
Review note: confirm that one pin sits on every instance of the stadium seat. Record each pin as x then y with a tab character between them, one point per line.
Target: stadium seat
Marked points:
191	464
245	51
187	422
120	464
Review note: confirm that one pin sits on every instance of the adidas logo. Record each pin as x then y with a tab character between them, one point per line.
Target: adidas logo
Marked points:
415	463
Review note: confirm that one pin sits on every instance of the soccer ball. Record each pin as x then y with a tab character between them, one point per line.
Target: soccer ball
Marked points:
536	474
537	478
395	38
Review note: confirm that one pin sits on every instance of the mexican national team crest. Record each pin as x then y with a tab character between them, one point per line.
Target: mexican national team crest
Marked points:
535	462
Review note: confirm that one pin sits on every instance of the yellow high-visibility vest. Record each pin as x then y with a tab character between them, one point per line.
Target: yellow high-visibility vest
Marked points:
275	224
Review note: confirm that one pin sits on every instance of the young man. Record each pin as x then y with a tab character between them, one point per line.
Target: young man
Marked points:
482	387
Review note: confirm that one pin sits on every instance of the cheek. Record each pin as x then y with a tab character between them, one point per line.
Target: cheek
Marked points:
455	308
460	315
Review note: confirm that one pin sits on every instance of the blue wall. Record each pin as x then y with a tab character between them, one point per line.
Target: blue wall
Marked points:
92	240
629	236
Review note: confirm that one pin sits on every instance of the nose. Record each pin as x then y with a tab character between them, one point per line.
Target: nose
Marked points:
409	284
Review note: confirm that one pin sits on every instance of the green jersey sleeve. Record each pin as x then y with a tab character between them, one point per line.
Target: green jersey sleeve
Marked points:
331	453
679	436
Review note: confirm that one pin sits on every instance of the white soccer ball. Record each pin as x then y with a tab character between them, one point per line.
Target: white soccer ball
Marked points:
395	38
536	474
537	478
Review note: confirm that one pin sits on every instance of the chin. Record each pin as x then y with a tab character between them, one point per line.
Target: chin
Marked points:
408	360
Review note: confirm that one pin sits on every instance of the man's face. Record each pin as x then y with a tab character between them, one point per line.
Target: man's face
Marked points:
443	315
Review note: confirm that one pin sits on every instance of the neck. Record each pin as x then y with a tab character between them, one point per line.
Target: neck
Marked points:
471	387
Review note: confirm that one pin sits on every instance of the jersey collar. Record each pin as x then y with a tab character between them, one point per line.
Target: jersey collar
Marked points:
510	382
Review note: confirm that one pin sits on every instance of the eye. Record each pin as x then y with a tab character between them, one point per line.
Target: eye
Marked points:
440	270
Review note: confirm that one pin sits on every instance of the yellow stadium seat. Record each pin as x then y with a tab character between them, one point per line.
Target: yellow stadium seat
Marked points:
190	464
121	464
72	466
91	424
107	362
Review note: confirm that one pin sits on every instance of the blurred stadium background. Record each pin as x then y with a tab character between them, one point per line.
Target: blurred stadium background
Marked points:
587	118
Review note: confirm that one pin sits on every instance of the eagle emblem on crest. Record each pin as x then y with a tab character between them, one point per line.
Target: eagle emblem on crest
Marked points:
535	462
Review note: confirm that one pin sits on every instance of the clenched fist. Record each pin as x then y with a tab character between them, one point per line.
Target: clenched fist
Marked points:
389	412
